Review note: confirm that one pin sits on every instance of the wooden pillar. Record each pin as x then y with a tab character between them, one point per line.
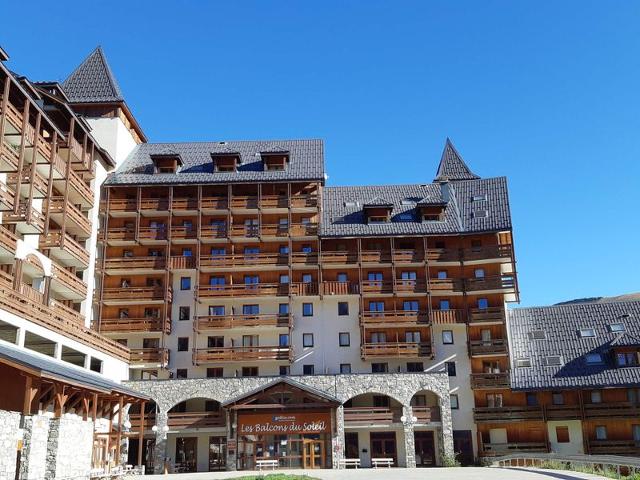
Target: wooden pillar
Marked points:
34	160
23	141
29	394
54	152
141	433
119	435
3	111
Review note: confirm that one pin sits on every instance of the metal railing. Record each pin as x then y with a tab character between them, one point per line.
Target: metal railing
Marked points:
523	459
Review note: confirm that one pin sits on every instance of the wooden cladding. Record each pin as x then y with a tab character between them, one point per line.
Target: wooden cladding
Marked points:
240	354
395	349
371	416
149	356
490	380
132	324
214	322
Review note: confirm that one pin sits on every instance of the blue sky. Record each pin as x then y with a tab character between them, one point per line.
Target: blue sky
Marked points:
546	93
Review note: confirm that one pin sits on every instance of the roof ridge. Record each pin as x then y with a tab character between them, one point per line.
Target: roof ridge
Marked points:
452	166
93	80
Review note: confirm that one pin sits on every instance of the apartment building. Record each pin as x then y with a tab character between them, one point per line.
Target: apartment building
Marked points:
62	379
575	383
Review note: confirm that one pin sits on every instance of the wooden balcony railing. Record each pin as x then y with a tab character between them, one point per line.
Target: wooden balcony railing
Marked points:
304	288
184	203
156	356
143	324
395	349
340	288
490	380
119	234
614	447
303	229
27	215
57	205
498	449
187	420
31	293
213	231
611	409
179	232
435	255
446	284
375	256
394	318
561	412
182	263
55	239
245	202
448	316
487	315
6	197
81	187
214	322
158	204
495	346
507	414
243	290
123	205
13	115
486	253
79	155
70	280
339	258
376	286
152	233
70	314
304	201
214	203
407	256
9	154
236	354
371	415
130	263
39	182
135	293
495	282
302	258
242	260
409	286
274	201
8	240
427	414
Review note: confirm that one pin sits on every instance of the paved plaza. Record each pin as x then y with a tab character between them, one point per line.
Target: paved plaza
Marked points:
468	473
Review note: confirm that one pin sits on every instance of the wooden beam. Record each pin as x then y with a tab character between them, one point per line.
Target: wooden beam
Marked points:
141	432
119	436
30	392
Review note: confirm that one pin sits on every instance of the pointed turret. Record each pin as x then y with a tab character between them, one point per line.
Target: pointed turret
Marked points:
93	81
452	167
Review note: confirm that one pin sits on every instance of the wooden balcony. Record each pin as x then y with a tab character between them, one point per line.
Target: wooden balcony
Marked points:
27	220
127	325
184	203
304	201
243	290
154	204
395	350
152	234
68	283
304	288
211	232
6	197
119	235
494	252
302	258
240	354
80	191
61	310
443	255
339	258
340	288
448	316
135	263
244	260
76	222
374	256
245	202
357	416
495	282
303	230
611	409
225	322
179	232
407	256
9	157
187	420
180	262
273	202
499	449
481	381
142	294
214	203
376	287
65	248
119	205
394	318
482	348
409	286
158	357
446	285
485	316
39	183
561	412
614	447
427	414
507	414
79	155
8	240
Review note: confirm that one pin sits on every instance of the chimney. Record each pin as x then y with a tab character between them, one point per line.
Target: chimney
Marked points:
444	191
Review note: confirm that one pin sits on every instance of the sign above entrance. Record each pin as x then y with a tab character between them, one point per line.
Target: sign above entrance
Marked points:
284	423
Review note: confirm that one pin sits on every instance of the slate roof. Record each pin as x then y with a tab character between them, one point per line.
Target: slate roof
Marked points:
306	163
561	324
59	370
93	81
343	215
452	166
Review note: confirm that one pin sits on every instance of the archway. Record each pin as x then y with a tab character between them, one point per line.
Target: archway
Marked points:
426	418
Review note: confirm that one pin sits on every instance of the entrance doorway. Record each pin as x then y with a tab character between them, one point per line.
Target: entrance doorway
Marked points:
425	449
351	448
383	445
313	456
186	454
463	446
217	453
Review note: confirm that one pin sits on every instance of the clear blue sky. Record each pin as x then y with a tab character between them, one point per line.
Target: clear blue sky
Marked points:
546	93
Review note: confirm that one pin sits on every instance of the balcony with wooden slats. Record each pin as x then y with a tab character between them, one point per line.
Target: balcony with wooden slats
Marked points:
481	381
152	234
274	202
426	415
183	233
214	203
446	285
376	287
7	196
27	220
67	284
115	295
487	348
181	262
507	414
214	232
184	204
65	249
9	157
180	420
120	206
153	205
249	260
500	449
79	191
302	259
339	258
245	202
401	257
395	350
64	212
407	287
39	183
394	318
132	325
149	357
611	409
490	283
493	254
228	322
203	356
367	416
8	243
340	288
304	289
486	316
118	235
454	315
562	412
309	201
375	257
614	447
128	264
243	290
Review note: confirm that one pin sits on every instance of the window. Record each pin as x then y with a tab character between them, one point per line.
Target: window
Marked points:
617	327
455	404
379	367
186	252
557	398
378	337
215	342
633	396
183	344
216	310
594	358
587	333
283	309
95	365
596	396
494	400
553	361
216	282
376	306
344	339
635	429
307	339
218	252
307	369
479	197
532	399
410	306
250	340
444	305
442	275
483	303
185	283
537	335
375	278
345	368
284	370
306	249
562	434
601	432
283	340
307	309
251	281
447	337
284	279
412	337
250	309
523	362
478	273
249	371
184	313
283	250
451	368
410	275
627	359
181	373
215	372
414	367
307	278
343	308
342	277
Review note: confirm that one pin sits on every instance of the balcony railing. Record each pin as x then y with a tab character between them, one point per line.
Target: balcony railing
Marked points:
39	182
180	232
142	324
123	205
498	449
304	288
490	380
495	282
184	203
487	315
243	290
426	414
28	216
81	187
375	256
244	260
58	206
131	263
446	284
8	240
70	280
214	322
396	349
245	202
507	414
495	346
236	354
562	412
448	316
55	239
444	255
407	256
409	286
371	416
340	288
9	156
214	203
394	318
213	231
6	197
135	293
611	409
182	263
339	258
303	258
186	420
121	234
376	286
158	204
304	201
274	201
614	447
152	233
154	356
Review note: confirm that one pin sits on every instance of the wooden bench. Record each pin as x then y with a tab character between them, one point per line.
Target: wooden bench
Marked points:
376	462
267	463
347	462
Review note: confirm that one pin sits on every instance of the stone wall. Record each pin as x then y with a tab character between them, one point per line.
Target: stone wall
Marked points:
69	448
399	386
34	448
9	427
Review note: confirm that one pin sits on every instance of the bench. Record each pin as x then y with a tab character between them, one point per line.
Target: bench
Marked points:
346	462
266	463
376	462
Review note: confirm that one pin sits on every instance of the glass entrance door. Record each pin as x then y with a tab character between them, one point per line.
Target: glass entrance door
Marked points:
217	453
383	445
313	453
425	449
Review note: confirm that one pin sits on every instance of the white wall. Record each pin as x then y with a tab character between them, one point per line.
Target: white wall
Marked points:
575	444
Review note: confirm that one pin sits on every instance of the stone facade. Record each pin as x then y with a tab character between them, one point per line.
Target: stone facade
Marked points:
69	448
33	459
399	386
9	432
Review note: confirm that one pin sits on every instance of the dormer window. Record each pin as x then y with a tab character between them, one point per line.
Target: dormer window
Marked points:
225	162
431	210
166	163
377	210
275	161
628	358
